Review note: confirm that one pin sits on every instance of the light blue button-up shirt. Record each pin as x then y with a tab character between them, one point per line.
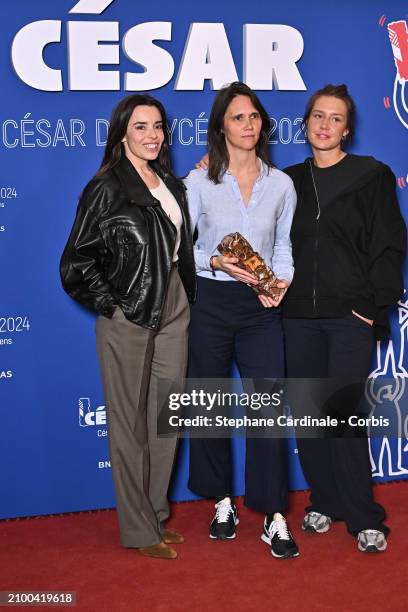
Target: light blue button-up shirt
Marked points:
217	210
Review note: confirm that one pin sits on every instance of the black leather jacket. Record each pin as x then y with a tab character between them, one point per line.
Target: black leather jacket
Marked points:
121	247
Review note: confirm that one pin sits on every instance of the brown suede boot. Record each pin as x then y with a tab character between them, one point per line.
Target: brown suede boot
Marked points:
158	551
171	537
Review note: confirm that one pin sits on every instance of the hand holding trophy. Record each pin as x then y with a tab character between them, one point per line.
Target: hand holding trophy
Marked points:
235	245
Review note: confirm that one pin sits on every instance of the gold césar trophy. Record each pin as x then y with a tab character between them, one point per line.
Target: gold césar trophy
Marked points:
235	245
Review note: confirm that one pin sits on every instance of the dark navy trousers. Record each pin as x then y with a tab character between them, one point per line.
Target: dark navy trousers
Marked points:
228	323
338	470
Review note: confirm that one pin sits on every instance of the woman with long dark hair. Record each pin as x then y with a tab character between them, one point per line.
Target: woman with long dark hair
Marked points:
349	243
129	258
241	192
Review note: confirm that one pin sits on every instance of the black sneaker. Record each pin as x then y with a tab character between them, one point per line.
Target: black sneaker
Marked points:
226	518
278	536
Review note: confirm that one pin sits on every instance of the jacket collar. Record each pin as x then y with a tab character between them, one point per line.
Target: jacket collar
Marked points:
370	168
134	185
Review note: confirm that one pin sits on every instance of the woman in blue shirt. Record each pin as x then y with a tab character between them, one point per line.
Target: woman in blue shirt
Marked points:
240	192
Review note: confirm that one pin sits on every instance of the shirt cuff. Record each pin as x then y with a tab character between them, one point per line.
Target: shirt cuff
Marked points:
285	275
202	261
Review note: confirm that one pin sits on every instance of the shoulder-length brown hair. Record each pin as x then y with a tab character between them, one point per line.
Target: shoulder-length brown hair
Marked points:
114	149
217	148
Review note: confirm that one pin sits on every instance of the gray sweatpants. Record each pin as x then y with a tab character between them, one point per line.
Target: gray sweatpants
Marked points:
133	360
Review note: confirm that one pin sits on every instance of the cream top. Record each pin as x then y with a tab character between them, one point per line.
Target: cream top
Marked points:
171	208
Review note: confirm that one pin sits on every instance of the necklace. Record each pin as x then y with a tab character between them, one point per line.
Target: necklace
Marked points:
315	190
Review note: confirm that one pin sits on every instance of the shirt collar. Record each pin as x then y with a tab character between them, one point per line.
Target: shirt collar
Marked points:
262	170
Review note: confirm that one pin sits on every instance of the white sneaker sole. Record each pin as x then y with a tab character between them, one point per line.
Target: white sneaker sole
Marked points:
372	548
287	556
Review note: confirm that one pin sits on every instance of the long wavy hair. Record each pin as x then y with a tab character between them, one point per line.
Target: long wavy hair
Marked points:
340	92
217	147
114	149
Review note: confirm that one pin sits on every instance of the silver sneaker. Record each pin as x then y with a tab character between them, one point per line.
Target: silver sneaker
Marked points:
314	522
371	540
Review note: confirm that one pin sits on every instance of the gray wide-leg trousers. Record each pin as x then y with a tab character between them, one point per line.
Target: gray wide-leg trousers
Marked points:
133	360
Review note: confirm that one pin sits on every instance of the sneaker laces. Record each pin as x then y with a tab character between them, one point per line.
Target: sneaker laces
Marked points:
281	528
224	509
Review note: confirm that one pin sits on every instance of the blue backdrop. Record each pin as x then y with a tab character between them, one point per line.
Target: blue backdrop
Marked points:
61	74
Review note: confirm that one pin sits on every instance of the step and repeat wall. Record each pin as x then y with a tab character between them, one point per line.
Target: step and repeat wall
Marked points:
63	67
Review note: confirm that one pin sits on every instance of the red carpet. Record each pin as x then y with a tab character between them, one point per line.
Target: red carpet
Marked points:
80	552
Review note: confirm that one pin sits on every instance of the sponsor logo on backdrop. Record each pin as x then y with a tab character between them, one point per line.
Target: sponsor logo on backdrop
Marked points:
207	54
89	417
94	418
388	458
398	34
6	374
